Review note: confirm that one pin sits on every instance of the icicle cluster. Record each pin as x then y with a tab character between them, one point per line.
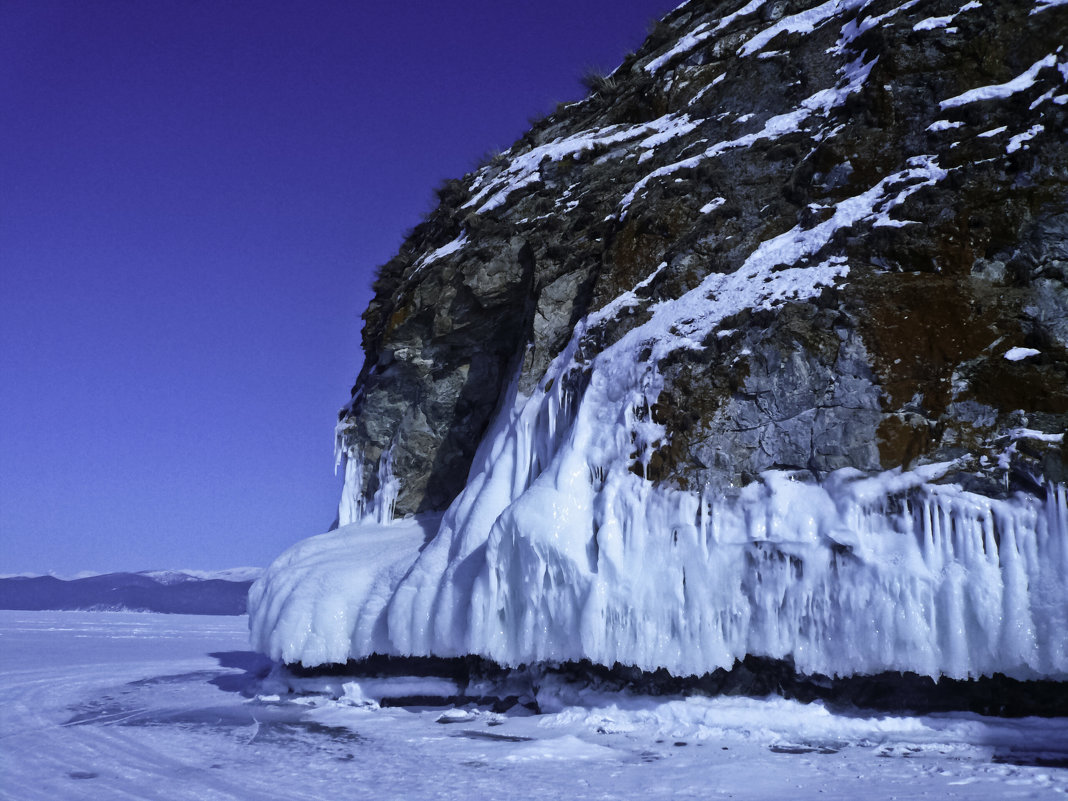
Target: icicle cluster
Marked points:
556	551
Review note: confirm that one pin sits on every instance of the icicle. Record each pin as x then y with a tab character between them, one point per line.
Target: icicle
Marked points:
555	550
350	508
385	497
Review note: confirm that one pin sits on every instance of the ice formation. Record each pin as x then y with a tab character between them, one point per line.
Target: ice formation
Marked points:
558	548
557	551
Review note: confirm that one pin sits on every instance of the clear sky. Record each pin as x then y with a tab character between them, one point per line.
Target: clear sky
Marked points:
193	197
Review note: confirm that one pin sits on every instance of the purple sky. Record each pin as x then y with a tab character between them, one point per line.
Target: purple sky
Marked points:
193	196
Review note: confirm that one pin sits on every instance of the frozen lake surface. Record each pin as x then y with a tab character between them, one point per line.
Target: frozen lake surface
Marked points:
150	706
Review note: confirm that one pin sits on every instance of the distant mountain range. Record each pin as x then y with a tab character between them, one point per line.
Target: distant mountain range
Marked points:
191	592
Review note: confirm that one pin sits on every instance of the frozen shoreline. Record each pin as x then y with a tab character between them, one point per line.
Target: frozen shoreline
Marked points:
177	707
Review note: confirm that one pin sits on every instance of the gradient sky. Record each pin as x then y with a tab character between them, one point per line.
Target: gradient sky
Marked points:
193	197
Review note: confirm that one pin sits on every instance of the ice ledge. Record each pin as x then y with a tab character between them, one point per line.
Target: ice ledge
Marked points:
856	575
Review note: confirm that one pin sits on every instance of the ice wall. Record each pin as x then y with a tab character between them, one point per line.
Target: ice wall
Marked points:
556	550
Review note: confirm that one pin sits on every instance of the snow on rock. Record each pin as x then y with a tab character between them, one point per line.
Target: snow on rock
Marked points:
597	521
525	169
819	103
1018	141
803	22
1020	83
684	45
557	551
1042	5
1018	354
934	23
713	204
445	250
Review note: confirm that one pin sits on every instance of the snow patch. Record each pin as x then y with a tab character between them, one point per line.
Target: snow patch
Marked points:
855	74
749	8
684	45
857	26
1018	354
525	169
803	22
1016	142
1042	5
933	23
1020	83
944	125
445	250
713	204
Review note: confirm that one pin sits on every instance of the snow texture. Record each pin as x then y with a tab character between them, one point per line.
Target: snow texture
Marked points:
803	22
713	204
1042	5
944	125
1019	140
684	45
819	103
525	169
445	250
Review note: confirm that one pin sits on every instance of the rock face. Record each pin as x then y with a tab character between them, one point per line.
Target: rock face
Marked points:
915	150
760	349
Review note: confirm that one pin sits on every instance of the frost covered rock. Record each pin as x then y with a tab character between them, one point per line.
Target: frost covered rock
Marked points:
719	361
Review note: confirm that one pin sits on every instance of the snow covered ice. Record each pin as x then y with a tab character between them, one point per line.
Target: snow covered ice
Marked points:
149	706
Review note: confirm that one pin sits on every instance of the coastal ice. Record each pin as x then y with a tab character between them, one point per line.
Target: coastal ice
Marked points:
327	592
559	549
859	574
556	550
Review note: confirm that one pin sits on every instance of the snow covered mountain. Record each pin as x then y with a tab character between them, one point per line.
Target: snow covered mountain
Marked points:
760	349
189	592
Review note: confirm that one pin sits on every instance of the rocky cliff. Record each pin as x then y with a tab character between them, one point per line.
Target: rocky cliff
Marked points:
913	156
760	348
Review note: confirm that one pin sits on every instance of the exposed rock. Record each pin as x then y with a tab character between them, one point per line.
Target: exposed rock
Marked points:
799	109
